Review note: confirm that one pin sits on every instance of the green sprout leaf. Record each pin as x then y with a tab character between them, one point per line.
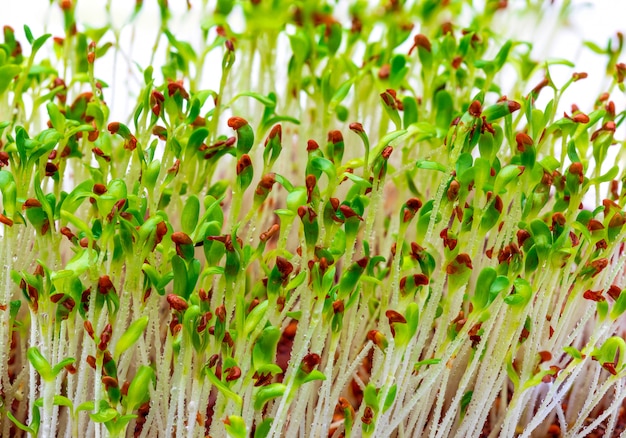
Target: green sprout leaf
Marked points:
40	363
268	393
139	388
7	74
131	335
236	427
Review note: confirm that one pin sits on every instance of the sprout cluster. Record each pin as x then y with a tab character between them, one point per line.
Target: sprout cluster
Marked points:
371	238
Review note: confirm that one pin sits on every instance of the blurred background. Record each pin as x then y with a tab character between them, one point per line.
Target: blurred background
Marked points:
553	37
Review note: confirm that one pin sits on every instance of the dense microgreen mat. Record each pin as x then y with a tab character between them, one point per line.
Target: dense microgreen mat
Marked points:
359	231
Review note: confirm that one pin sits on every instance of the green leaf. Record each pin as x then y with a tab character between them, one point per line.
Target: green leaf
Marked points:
130	336
78	223
183	48
40	363
560	61
522	295
445	106
81	262
573	352
619	306
7	73
236	427
485	279
224	6
39	42
314	375
398	71
245	139
58	367
151	174
500	283
278	119
333	34
425	362
267	393
14	309
58	400
266	101
296	199
139	388
549	163
296	281
9	192
189	216
179	269
609	176
29	34
541	235
370	395
532	260
197	137
391	397
85	406
430	165
222	387
76	197
506	175
341	92
300	46
325	166
104	416
264	349
349	280
193	273
612	349
263	429
255	316
390	107
502	55
465	401
511	371
499	110
410	113
19	424
594	47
